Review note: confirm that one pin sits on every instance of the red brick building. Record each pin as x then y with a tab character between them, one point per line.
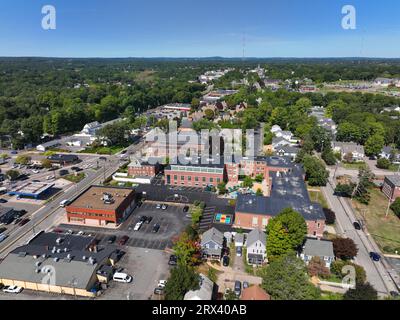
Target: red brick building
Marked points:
391	187
101	205
143	169
193	175
256	211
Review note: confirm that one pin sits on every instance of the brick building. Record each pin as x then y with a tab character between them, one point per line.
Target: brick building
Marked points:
102	205
195	175
391	187
288	190
143	169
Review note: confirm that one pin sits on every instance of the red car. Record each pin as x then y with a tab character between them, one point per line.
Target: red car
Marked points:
24	222
123	240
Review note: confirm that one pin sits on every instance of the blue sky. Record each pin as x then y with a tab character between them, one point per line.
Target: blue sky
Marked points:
192	28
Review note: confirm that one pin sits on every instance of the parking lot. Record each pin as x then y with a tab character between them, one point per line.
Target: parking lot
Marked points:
147	267
172	222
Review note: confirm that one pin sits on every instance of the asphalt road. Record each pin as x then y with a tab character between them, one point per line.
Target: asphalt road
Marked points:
377	274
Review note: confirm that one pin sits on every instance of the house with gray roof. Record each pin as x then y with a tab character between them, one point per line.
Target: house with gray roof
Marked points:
287	151
391	187
256	247
212	244
322	249
349	148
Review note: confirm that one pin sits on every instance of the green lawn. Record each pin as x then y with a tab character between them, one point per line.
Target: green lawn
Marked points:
354	166
75	178
385	231
104	150
394	167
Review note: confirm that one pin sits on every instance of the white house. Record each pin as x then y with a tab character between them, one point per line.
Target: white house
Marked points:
91	128
239	240
256	247
276	128
346	148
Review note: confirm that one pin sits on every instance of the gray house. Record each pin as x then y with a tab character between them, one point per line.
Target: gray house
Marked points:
288	151
318	248
212	243
256	247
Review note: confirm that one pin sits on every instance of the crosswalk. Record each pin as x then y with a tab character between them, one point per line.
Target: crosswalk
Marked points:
207	219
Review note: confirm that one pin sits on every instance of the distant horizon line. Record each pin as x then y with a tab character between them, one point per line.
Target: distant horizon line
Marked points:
203	58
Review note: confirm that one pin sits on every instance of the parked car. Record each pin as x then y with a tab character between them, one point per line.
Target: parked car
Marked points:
138	226
35	171
24	222
122	277
3	201
64	203
57	230
143	219
162	283
123	240
21	213
173	260
375	256
16	221
357	225
12	289
148	220
238	288
159	291
158	206
245	285
63	172
185	209
164	207
3	237
238	251
2	229
225	261
111	239
156	227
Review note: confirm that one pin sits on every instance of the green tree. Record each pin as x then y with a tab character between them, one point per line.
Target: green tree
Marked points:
286	279
209	114
361	192
46	163
116	133
316	174
23	160
361	292
383	163
187	250
344	190
230	295
222	188
396	207
329	156
13	174
247	182
182	279
374	145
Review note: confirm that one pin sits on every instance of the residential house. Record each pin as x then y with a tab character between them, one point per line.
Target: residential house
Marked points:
287	135
349	148
287	151
322	249
279	142
390	153
239	240
212	244
391	187
91	128
205	292
256	247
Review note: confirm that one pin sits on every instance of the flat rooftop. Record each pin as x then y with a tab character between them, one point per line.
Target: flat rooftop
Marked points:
31	188
93	198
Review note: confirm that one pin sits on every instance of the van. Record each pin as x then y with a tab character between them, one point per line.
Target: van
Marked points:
64	203
122	277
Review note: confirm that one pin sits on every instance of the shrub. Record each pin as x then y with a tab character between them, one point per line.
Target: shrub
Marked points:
396	207
330	216
344	248
383	163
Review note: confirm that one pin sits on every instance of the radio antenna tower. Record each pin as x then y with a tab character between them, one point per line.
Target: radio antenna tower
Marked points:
244	47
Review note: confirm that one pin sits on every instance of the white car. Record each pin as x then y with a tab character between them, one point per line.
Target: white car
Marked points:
81	233
162	283
138	226
35	171
122	277
12	289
